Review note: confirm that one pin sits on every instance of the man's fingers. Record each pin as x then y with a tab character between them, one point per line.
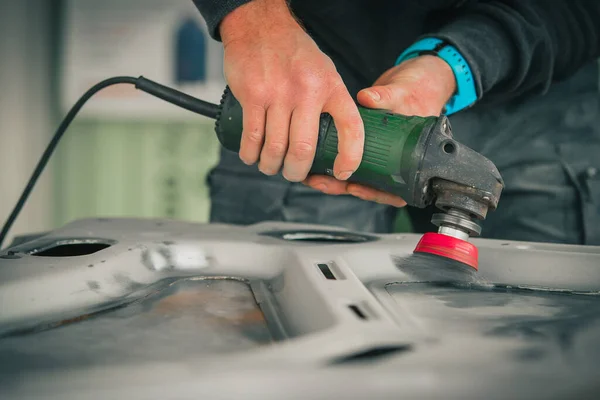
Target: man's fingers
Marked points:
253	133
370	194
351	134
327	184
304	132
276	139
332	186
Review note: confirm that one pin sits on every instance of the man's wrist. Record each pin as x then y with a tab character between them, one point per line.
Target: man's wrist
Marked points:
443	76
466	93
254	16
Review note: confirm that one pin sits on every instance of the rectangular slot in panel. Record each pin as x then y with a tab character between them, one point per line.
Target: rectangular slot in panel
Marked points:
358	312
326	271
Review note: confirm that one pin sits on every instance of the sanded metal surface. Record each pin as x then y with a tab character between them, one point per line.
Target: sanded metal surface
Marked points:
180	310
170	321
546	326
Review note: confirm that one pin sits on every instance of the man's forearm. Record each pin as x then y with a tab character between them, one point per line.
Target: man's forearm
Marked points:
260	17
213	12
516	47
234	18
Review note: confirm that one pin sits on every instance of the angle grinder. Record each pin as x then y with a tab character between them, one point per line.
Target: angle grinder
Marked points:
415	158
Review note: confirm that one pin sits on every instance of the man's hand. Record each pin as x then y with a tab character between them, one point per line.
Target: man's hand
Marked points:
420	86
283	82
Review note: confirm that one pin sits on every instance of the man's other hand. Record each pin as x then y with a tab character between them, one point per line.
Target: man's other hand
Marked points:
420	86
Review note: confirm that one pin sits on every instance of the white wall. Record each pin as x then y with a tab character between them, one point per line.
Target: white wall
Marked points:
25	122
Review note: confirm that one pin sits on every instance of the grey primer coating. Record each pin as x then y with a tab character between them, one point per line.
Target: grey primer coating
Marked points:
153	309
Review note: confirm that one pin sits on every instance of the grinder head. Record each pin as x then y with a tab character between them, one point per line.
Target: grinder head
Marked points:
449	247
464	185
456	225
455	228
451	240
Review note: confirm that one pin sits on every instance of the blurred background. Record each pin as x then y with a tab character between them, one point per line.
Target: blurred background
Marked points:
126	154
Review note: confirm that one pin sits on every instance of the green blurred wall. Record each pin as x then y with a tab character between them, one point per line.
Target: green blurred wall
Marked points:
140	169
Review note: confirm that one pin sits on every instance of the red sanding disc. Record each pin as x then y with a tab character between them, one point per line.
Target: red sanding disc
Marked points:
449	247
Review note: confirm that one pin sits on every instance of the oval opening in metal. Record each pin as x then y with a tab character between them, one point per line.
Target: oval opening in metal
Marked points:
315	236
71	249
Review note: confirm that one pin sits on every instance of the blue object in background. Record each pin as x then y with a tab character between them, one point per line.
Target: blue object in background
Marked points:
191	49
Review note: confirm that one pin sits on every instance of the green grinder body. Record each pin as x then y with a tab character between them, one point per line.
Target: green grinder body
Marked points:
392	154
393	149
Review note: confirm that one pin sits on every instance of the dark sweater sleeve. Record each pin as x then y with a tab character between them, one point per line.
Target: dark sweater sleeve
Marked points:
213	12
521	46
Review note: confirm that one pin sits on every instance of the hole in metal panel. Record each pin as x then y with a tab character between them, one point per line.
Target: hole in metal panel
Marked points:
71	249
358	312
315	236
372	354
323	237
326	271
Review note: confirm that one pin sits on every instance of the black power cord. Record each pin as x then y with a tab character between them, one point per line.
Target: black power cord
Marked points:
163	92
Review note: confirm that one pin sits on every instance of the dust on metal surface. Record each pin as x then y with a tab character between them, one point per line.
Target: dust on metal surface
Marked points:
544	321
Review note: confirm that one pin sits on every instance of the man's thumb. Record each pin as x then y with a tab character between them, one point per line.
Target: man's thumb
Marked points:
377	97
